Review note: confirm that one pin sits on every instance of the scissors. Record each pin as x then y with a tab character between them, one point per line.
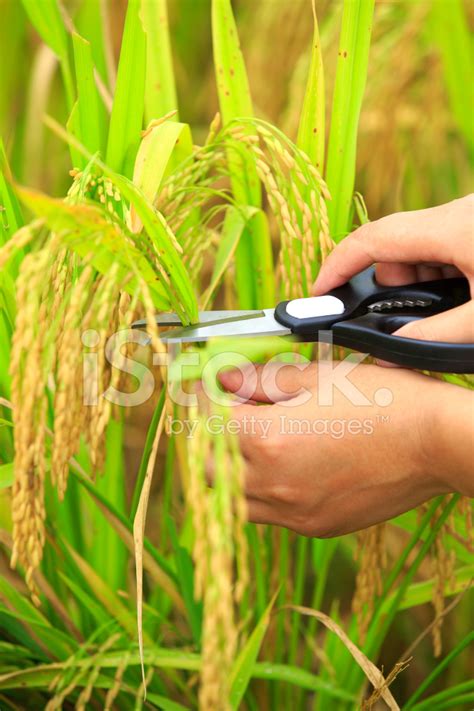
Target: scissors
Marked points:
361	315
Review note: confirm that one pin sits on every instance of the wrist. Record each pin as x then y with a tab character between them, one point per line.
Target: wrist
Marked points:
448	450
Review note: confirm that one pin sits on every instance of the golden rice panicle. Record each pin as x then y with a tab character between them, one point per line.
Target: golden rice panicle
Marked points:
104	321
219	629
220	548
465	506
150	313
127	312
83	700
240	518
297	197
192	188
69	413
195	488
443	562
213	128
372	557
29	379
61	279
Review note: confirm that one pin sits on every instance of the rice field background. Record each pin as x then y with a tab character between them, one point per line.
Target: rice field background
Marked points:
176	156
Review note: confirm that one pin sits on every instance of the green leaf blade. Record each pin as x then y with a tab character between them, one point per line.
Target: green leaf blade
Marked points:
160	91
352	65
91	112
127	111
311	130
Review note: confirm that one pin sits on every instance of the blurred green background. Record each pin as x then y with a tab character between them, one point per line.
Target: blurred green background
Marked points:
413	149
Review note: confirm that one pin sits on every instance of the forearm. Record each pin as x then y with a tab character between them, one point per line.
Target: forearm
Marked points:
452	438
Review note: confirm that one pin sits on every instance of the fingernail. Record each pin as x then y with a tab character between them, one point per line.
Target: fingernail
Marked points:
386	364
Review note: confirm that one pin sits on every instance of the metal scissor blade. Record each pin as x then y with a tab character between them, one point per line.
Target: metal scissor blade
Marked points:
264	325
172	319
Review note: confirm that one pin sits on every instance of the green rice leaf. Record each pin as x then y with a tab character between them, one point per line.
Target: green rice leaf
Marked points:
12	47
254	250
7	473
127	111
160	89
179	288
91	24
300	678
86	601
235	223
439	669
109	555
57	643
352	64
451	698
166	244
85	229
73	127
154	158
453	36
185	573
48	22
104	593
11	218
421	593
6	331
40	676
242	670
311	131
231	76
91	112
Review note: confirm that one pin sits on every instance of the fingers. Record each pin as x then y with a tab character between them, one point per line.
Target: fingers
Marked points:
428	273
396	274
262	512
435	235
454	326
271	382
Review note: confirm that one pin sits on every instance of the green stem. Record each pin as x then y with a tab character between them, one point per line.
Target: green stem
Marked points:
385	613
146	454
438	670
87	484
446	695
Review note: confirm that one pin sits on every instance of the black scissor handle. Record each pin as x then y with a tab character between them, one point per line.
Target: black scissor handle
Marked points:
363	290
355	328
372	333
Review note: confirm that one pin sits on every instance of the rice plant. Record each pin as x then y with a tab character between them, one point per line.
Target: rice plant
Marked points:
127	582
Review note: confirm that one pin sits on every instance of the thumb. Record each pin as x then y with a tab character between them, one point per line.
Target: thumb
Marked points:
271	382
453	326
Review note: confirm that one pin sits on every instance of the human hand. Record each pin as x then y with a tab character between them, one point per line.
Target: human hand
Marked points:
365	463
409	247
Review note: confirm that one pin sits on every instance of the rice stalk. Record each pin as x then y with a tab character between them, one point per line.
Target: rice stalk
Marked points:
296	193
47	361
288	176
443	562
372	558
114	690
29	414
218	517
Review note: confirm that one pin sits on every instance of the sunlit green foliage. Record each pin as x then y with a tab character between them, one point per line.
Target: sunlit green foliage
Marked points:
201	212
